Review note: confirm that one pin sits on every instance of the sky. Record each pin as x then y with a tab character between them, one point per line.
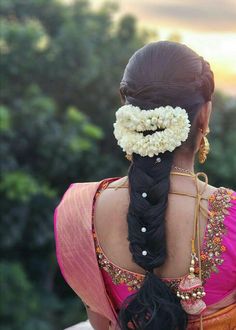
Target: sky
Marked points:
206	26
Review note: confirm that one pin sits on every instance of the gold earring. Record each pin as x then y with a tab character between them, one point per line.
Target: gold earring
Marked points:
204	148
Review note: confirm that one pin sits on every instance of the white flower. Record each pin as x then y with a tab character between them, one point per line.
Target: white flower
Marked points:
131	122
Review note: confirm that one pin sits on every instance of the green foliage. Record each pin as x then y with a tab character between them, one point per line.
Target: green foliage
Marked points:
60	66
92	131
19	186
27	308
74	115
60	71
221	164
20	299
5	119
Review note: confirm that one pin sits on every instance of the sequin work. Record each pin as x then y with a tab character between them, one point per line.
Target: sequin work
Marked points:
211	255
119	275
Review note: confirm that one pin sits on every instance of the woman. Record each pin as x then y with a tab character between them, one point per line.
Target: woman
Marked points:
156	249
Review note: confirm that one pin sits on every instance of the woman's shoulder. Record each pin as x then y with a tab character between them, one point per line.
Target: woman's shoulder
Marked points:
117	182
84	191
222	214
220	193
77	193
223	200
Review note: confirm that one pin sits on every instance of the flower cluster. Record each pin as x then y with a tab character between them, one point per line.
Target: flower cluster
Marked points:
170	128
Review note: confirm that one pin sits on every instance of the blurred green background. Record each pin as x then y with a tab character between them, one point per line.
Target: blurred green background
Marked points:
61	65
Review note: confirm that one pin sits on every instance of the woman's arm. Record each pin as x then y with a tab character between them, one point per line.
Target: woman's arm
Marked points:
97	321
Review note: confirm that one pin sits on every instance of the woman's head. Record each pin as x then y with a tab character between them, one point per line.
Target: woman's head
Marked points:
169	73
159	74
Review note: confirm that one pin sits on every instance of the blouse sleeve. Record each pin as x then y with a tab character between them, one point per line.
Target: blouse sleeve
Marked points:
221	253
230	239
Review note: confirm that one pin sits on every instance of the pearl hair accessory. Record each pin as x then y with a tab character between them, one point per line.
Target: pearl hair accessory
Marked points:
158	160
143	229
144	252
144	194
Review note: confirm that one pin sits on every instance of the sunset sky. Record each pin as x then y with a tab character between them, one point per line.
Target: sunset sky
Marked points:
207	26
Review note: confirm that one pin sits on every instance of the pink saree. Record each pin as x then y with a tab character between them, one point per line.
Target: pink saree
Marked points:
78	258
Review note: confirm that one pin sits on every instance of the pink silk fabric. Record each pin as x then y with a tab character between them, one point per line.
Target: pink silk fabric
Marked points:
118	292
77	258
75	250
223	284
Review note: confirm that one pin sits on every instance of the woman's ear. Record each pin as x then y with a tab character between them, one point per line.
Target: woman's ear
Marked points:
204	117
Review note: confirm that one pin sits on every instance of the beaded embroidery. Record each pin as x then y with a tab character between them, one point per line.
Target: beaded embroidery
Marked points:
219	203
119	275
211	256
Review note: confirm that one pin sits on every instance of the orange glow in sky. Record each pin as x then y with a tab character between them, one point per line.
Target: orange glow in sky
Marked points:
206	26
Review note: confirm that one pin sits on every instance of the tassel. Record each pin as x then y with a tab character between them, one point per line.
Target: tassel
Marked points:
190	291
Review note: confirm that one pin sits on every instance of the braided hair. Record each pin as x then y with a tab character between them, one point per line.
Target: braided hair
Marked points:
159	74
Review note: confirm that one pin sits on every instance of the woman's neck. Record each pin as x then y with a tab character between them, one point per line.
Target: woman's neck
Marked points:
184	161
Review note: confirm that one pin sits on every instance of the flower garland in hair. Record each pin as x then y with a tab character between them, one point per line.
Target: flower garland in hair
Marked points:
171	126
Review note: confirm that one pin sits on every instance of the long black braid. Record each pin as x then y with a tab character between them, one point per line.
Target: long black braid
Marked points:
159	74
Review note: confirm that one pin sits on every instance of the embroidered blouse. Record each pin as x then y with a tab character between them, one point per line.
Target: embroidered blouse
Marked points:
121	282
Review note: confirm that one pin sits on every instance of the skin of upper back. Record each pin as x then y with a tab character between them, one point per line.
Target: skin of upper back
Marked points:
111	226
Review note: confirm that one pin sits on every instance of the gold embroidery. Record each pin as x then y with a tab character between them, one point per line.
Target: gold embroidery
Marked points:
211	258
119	275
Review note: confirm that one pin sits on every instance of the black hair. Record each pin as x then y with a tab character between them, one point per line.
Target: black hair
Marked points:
161	73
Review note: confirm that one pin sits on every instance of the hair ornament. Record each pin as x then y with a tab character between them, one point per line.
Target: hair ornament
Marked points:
170	128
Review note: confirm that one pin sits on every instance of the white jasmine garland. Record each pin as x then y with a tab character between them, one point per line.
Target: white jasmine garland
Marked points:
131	122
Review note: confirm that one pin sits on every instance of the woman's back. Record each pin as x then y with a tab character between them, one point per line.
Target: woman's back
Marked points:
111	226
110	207
110	229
